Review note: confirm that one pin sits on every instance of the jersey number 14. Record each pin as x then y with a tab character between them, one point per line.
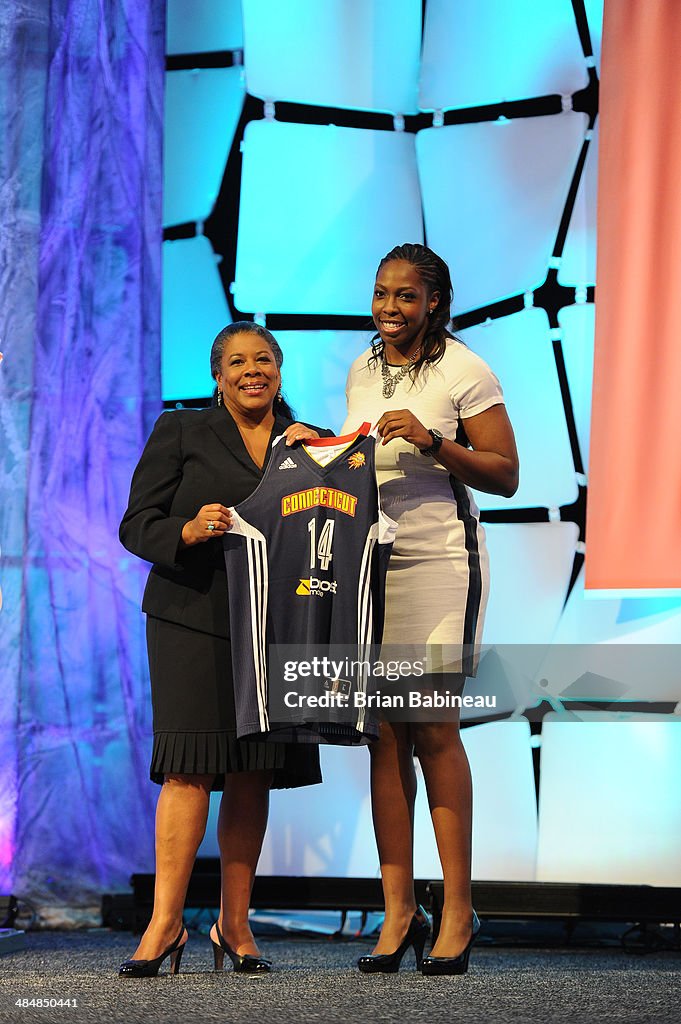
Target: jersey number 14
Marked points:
321	549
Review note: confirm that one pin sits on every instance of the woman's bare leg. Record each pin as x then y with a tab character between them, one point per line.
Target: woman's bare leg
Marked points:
241	830
393	791
448	782
181	815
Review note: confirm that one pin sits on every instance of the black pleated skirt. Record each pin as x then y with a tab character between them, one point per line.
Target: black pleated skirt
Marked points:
194	719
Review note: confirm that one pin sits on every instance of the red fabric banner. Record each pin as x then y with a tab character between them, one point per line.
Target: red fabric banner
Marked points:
633	537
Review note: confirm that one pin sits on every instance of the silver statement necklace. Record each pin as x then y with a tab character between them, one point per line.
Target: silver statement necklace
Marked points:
391	381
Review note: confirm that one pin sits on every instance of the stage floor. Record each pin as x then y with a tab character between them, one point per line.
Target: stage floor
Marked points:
315	980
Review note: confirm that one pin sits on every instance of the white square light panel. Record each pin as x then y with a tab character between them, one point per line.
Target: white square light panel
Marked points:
504	808
577	323
615	648
320	206
530	569
318	831
518	349
493	196
194	310
477	52
339	53
609	801
315	369
578	262
202	110
201	26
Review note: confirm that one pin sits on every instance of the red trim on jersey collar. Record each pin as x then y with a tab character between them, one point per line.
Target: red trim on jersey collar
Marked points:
320	442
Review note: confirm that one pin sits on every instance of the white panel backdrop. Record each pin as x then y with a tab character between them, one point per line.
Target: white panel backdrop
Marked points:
318	205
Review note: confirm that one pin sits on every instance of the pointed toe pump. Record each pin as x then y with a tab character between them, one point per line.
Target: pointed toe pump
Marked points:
149	968
439	965
389	963
248	964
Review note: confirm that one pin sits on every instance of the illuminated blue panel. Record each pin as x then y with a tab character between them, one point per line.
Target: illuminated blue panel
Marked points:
316	365
194	310
518	349
490	51
578	262
578	351
319	208
504	808
615	648
198	26
493	196
607	810
594	16
202	110
340	53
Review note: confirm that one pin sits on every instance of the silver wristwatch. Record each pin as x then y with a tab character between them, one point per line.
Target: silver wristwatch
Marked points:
435	446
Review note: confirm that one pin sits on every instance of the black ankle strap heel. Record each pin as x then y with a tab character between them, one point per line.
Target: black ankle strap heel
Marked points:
149	968
247	964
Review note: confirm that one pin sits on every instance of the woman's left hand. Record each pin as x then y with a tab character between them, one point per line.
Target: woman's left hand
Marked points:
299	432
402	423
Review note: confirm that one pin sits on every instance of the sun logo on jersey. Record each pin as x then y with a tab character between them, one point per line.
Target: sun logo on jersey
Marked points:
356	460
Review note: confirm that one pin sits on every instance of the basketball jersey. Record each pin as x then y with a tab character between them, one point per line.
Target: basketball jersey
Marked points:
306	561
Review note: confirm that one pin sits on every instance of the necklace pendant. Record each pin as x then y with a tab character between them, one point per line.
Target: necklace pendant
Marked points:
388	389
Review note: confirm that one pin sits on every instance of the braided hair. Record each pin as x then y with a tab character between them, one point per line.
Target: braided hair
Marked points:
248	327
434	274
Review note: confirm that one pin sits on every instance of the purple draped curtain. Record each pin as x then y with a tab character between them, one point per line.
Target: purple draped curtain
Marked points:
82	384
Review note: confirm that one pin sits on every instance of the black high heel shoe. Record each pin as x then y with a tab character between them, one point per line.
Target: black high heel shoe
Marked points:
247	964
149	968
436	965
389	963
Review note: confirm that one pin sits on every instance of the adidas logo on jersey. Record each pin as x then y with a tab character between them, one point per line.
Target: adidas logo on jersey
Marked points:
288	463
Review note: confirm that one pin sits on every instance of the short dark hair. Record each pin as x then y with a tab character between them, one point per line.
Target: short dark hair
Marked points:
247	327
242	327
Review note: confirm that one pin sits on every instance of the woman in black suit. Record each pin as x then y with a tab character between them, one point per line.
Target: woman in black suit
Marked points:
195	465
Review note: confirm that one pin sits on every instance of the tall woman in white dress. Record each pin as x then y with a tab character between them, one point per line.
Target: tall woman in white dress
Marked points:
425	388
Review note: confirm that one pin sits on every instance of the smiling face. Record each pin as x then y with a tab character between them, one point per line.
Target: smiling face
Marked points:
249	377
400	305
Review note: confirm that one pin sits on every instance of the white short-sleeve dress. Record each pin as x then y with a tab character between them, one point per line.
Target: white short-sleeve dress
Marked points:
438	577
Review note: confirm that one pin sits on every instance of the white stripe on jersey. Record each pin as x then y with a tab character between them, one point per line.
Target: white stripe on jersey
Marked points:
365	614
258	578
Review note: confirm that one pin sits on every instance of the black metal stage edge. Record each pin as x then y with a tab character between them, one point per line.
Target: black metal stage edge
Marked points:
499	900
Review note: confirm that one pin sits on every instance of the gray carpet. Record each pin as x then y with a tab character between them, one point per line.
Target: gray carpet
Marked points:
316	980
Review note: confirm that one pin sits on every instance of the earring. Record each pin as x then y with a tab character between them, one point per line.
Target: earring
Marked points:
279	394
219	397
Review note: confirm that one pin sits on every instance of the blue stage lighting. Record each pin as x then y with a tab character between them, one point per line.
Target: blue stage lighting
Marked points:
320	206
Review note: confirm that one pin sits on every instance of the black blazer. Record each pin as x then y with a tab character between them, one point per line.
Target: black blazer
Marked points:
193	458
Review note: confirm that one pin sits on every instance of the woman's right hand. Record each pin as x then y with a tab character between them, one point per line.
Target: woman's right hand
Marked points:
198	529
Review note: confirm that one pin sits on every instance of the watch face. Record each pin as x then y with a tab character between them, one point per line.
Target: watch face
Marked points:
436	434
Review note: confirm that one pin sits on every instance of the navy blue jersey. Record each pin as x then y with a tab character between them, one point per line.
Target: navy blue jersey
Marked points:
306	562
